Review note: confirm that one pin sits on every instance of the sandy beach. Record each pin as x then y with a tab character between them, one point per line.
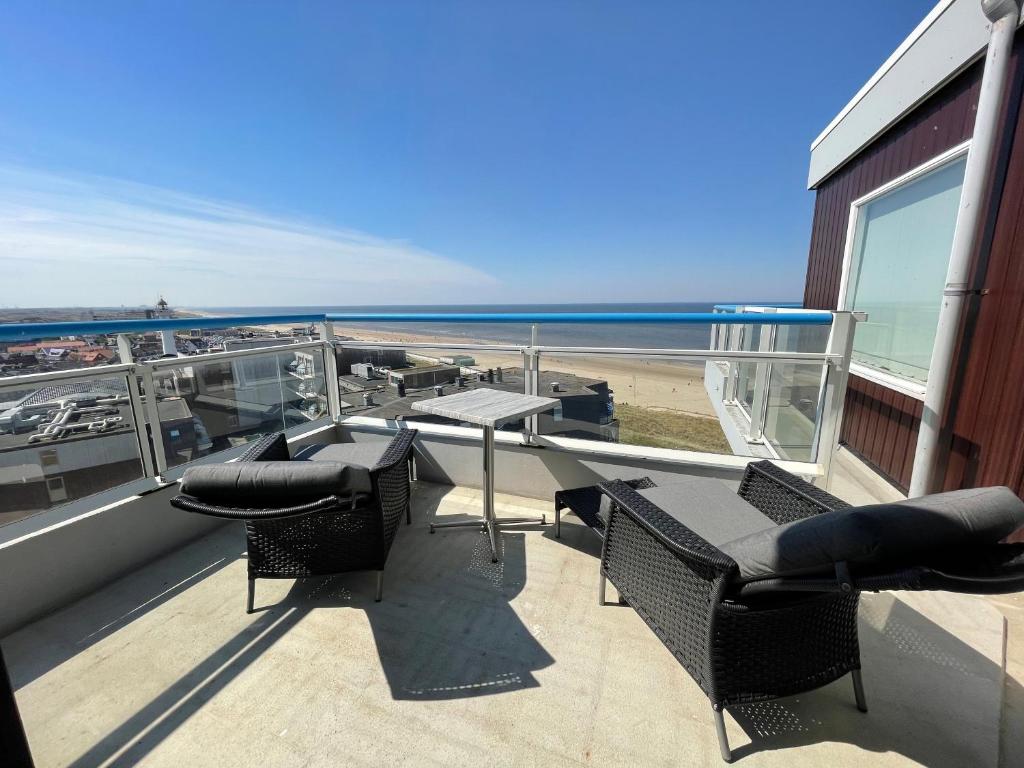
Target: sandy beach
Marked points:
675	386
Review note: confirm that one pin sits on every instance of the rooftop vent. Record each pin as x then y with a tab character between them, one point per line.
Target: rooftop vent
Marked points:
490	375
368	399
499	375
460	382
400	386
438	390
555	386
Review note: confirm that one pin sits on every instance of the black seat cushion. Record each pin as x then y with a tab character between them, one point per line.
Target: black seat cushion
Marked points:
903	534
262	484
363	454
708	507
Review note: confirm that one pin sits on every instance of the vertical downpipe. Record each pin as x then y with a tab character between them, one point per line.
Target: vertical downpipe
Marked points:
1004	15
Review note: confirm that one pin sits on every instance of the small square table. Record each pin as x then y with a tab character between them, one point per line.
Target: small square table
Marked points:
489	408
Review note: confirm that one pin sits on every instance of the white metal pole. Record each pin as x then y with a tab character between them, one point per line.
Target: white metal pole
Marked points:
124	352
153	416
1004	15
762	377
533	379
331	371
840	342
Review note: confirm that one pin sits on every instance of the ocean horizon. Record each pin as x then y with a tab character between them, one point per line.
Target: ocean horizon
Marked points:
653	335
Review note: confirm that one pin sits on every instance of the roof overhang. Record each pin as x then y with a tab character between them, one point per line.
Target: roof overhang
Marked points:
949	39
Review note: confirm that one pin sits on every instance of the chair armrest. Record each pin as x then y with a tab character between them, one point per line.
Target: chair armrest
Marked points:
272	447
191	504
675	536
782	496
397	451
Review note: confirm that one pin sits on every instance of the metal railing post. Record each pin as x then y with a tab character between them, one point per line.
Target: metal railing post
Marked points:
124	353
153	417
533	378
733	344
840	343
330	371
762	374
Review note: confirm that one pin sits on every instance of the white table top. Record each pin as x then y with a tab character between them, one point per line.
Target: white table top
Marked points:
486	407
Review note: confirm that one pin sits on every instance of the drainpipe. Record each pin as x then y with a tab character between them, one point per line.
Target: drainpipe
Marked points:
1004	15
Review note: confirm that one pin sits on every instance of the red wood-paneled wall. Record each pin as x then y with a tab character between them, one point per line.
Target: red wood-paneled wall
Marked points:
983	440
879	423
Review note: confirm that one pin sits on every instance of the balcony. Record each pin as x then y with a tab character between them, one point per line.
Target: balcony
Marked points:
127	641
464	659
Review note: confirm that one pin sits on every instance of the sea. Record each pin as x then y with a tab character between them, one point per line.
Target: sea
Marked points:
653	335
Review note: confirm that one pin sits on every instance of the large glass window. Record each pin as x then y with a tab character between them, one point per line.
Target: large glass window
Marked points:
898	268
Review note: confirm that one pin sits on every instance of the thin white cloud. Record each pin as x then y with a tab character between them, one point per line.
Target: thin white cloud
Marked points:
76	241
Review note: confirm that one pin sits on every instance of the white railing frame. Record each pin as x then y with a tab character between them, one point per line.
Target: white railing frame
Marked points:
835	359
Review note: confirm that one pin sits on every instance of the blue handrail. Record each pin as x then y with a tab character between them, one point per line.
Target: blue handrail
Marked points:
31	331
683	318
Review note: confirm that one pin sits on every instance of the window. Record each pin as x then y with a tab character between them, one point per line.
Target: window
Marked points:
896	267
55	487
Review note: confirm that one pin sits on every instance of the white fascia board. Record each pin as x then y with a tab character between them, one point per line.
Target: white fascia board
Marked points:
949	39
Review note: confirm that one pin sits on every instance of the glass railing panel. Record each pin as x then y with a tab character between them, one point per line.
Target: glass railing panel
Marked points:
656	403
792	409
439	333
63	441
801	338
56	354
211	406
384	382
746	372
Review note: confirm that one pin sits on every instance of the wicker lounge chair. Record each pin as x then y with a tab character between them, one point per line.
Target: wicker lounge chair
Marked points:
757	596
328	509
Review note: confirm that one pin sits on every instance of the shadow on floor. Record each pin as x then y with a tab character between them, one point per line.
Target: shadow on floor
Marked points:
116	605
445	629
927	693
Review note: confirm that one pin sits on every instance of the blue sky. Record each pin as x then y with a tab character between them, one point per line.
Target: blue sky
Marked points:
261	153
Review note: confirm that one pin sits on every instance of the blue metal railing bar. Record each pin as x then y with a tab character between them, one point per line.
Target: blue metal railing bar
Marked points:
580	318
30	331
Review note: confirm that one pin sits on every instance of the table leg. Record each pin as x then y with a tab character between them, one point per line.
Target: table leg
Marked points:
490	523
488	486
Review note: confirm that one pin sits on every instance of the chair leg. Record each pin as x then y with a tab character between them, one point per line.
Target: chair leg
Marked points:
558	523
408	513
602	584
858	691
380	587
252	595
723	738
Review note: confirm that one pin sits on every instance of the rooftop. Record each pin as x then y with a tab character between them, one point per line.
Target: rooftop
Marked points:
466	661
388	404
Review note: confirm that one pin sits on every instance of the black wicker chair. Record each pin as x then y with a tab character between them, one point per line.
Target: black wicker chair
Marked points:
326	533
749	640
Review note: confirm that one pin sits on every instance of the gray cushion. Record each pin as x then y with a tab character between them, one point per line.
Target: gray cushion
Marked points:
262	484
882	536
708	508
364	455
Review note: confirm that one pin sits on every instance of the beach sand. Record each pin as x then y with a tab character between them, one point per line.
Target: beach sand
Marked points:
674	386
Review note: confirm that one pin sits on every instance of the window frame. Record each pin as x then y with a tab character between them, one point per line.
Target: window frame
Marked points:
886	379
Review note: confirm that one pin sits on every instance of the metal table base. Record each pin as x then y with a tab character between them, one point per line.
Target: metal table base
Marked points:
491	524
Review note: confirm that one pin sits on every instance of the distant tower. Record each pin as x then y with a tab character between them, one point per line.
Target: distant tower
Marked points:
163	310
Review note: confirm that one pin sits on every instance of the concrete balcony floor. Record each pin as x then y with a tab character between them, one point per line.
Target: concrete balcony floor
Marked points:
466	662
